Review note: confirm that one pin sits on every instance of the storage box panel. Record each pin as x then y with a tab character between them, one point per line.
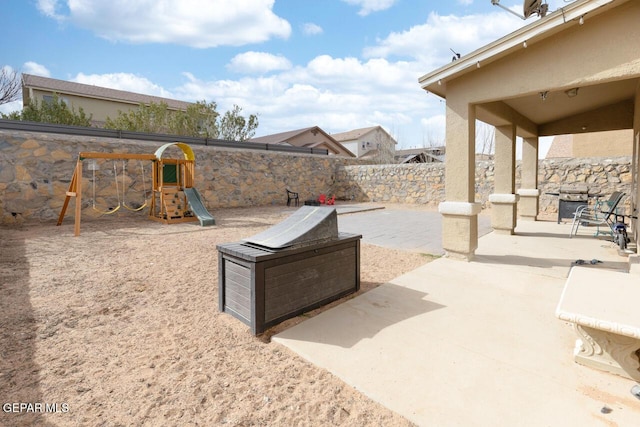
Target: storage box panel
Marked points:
299	284
238	289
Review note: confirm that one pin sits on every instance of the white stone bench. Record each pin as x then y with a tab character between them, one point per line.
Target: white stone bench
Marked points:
604	307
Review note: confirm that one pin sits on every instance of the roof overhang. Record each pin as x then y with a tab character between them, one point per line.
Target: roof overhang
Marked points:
436	81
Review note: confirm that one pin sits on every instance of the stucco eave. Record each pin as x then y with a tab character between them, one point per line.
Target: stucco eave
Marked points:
436	81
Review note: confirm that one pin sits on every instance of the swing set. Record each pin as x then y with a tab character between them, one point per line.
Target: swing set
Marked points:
173	197
119	186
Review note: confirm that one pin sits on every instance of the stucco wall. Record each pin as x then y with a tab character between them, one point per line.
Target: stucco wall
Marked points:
599	144
35	171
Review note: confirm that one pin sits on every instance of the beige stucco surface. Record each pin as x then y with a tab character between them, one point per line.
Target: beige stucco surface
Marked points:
523	81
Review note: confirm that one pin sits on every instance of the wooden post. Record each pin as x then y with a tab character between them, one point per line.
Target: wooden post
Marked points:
78	175
71	192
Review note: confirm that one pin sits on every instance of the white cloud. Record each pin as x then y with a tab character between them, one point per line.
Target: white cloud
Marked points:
258	63
433	130
430	43
340	93
336	94
48	7
35	69
195	23
370	6
465	2
10	107
123	81
311	29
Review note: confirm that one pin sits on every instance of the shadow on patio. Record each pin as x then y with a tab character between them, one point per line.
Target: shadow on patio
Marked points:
492	353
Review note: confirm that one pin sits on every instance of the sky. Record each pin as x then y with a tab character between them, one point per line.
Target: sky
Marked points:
336	64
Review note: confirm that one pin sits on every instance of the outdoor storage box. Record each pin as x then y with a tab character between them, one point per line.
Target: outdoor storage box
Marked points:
295	266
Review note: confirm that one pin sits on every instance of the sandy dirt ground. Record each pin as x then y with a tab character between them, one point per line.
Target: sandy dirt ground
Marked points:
120	327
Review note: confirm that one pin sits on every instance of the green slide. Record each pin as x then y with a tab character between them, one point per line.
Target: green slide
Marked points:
197	207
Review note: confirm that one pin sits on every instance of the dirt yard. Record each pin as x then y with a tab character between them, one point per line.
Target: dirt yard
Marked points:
120	327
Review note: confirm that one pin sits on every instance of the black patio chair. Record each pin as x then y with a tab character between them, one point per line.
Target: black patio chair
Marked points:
585	215
292	196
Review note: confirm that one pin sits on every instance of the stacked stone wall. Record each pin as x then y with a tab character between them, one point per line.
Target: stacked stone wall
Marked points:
425	183
36	168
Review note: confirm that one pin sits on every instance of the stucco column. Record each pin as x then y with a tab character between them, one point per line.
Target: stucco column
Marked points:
504	200
529	192
459	210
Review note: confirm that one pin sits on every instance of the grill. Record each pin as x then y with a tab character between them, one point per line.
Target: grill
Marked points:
570	198
295	266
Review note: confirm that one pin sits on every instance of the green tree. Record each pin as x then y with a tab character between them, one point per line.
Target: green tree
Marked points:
200	120
53	110
152	118
234	127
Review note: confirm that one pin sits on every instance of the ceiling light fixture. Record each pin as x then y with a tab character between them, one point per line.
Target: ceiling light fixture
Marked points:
581	21
572	92
543	95
524	45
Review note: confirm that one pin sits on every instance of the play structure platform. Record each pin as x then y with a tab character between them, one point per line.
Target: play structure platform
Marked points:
174	199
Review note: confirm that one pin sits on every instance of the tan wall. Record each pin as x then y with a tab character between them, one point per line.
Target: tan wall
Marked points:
603	144
99	108
496	82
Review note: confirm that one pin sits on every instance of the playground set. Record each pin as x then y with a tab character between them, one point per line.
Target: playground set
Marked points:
174	199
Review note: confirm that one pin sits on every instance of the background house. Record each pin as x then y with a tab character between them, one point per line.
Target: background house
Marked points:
596	144
420	155
374	142
312	137
98	101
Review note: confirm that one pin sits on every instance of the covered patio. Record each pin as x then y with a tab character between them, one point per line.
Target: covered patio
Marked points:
576	70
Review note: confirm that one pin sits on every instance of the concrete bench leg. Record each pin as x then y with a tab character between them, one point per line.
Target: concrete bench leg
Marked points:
607	351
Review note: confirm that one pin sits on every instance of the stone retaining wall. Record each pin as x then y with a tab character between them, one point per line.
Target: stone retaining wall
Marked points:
36	168
425	183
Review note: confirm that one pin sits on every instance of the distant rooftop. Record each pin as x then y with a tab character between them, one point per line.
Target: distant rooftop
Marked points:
282	137
352	134
91	91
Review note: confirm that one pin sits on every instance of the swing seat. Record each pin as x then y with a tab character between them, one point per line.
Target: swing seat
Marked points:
138	209
124	191
108	212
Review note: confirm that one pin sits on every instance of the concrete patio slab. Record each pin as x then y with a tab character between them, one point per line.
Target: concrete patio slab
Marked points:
457	343
410	230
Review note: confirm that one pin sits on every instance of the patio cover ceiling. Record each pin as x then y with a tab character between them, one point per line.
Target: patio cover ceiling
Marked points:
605	105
